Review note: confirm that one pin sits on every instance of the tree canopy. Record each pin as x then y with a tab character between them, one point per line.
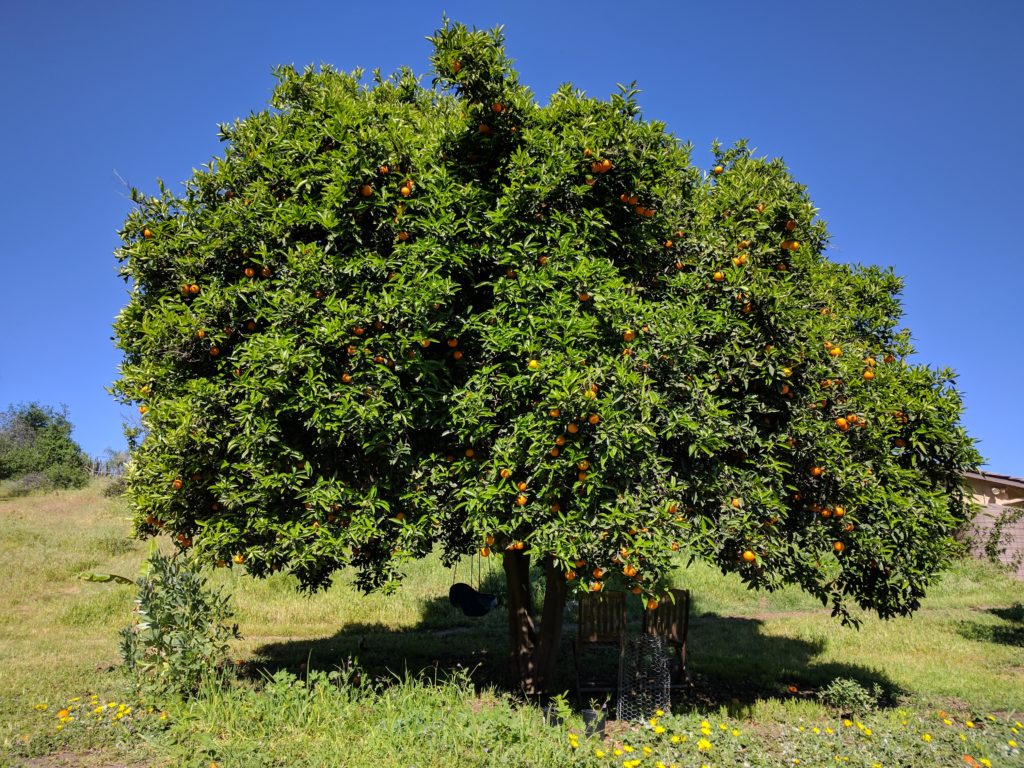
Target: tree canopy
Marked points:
36	440
392	318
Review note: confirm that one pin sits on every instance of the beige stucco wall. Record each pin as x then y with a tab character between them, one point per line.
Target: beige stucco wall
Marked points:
995	496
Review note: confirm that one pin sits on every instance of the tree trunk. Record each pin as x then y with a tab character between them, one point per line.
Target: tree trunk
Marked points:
533	655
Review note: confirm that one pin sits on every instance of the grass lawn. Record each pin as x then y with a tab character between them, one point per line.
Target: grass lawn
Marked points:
758	661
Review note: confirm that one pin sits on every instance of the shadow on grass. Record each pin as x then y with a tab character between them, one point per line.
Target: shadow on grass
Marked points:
1009	632
731	661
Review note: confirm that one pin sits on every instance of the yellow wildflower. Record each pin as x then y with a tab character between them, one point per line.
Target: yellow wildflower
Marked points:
626	748
992	718
847	723
1012	743
829	731
648	750
962	737
947	721
617	752
735	731
659	713
866	731
985	761
64	713
704	745
42	707
77	698
599	753
969	723
926	736
722	727
815	730
659	729
675	739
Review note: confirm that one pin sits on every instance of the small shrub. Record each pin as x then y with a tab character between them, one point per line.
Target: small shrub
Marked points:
26	484
848	695
115	487
178	640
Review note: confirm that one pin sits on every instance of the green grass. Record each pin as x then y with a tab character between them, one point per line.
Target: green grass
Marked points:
961	653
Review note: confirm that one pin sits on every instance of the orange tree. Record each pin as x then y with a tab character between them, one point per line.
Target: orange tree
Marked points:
393	318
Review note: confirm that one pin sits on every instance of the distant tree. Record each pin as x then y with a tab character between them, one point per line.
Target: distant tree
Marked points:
36	440
392	319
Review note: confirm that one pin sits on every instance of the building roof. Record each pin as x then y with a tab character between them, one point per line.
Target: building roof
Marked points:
992	477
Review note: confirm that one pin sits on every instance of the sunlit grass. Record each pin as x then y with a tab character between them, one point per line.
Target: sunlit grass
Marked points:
961	652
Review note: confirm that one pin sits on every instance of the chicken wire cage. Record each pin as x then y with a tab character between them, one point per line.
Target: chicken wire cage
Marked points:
645	683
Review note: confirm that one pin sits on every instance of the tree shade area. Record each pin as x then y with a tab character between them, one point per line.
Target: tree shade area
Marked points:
393	318
37	450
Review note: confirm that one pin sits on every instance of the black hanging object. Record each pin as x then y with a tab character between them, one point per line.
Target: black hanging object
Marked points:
471	602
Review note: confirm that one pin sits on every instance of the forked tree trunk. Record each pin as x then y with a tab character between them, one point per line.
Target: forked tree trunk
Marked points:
533	654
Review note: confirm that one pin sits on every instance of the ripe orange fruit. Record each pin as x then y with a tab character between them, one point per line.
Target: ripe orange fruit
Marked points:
596	586
629	571
718	169
346	378
238	559
749	556
759	208
484	128
839	511
628	336
265	272
843	424
143	409
668	243
718	277
570	575
582	477
889	359
739	261
869	375
584	296
652	604
147	233
470	453
554	452
817	471
533	365
214	351
193	289
597	572
403	236
835	351
838	546
899	442
588	153
489	540
521	485
572	429
521	500
497	108
737	503
456	67
826	512
790	225
404	191
560	440
606	165
485	552
593	419
366	190
505	474
250	272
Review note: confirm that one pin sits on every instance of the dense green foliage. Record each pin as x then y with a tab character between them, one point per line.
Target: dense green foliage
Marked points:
394	317
178	639
35	441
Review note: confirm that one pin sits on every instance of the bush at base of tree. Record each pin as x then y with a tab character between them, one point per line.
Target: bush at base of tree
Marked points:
37	451
178	639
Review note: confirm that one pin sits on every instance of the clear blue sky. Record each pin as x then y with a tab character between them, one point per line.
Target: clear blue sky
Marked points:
903	118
